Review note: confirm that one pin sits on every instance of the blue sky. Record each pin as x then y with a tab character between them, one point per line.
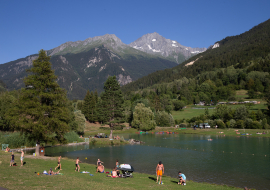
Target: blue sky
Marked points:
31	25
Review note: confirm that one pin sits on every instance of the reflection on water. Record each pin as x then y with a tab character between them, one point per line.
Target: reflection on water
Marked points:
237	161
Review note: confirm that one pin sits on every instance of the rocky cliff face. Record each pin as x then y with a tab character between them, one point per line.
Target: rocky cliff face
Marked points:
156	44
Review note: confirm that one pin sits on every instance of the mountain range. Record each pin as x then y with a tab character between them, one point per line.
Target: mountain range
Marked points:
85	65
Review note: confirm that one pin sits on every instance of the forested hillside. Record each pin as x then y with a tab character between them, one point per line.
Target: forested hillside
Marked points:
250	49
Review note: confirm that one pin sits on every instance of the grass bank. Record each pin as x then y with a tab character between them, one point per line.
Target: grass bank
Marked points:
26	178
107	141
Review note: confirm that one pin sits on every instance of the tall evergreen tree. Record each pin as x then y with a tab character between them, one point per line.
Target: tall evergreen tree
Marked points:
41	111
112	103
92	110
86	105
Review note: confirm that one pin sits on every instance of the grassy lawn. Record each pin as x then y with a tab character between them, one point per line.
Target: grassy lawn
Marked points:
26	178
241	94
189	112
229	132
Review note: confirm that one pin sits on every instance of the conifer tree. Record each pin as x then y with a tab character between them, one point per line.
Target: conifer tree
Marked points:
111	109
41	110
86	105
92	113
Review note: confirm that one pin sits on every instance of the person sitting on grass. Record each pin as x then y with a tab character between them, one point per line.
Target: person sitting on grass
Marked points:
7	149
53	173
100	168
12	159
182	178
114	173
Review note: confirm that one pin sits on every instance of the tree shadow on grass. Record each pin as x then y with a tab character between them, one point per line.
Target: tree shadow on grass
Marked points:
152	178
174	181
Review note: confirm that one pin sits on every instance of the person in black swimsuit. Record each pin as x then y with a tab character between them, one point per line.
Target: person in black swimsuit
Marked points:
59	164
12	159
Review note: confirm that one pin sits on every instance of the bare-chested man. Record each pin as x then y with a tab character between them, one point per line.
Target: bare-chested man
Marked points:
159	171
77	164
100	168
59	164
22	157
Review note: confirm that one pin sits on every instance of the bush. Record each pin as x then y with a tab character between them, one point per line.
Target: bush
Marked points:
256	125
264	124
164	119
220	124
232	123
232	98
240	124
71	136
183	125
16	140
118	127
211	123
93	141
248	123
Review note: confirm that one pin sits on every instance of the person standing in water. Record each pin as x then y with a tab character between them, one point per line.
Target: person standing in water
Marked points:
159	171
59	164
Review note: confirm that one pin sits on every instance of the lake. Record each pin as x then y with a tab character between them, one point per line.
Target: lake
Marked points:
237	161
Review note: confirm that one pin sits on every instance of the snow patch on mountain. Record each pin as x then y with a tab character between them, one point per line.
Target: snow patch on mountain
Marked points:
174	42
216	45
174	45
154	40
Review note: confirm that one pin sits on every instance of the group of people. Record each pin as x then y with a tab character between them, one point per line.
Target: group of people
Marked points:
12	160
160	171
100	168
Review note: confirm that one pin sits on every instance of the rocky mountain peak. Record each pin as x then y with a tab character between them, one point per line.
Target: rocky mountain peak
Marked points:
110	40
157	44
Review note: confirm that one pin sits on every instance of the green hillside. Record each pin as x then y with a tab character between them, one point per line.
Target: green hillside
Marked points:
250	49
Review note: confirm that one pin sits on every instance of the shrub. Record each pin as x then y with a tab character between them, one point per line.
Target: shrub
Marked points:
164	119
211	123
183	125
232	123
240	124
220	124
71	136
93	141
256	125
143	118
118	127
16	140
248	123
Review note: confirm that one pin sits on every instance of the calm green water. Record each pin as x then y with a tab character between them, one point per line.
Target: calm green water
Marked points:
243	162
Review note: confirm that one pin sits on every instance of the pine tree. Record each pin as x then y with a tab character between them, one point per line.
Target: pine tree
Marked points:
111	109
92	113
41	111
86	105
